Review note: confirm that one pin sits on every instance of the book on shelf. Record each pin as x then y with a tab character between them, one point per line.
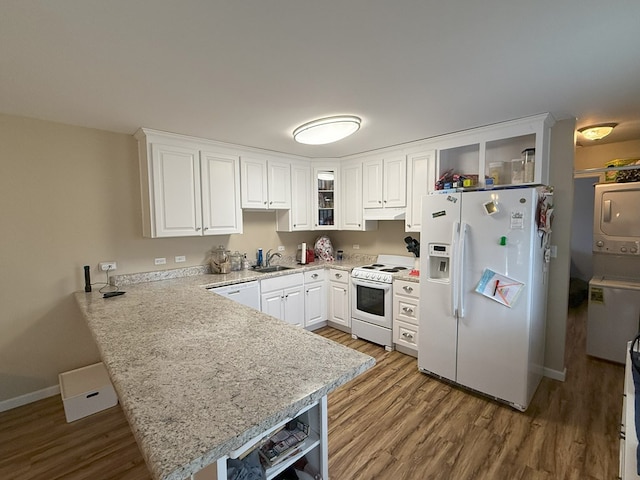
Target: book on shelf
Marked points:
285	443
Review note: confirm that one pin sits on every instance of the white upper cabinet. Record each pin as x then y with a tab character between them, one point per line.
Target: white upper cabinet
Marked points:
265	183
188	187
495	152
220	176
351	198
298	217
384	182
326	197
420	174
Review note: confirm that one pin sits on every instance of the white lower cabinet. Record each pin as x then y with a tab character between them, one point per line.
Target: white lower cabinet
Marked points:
339	305
315	299
282	297
406	298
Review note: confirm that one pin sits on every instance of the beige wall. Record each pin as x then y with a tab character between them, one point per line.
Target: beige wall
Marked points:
597	156
70	196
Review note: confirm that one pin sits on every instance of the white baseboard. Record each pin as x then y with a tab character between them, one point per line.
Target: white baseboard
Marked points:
29	398
555	374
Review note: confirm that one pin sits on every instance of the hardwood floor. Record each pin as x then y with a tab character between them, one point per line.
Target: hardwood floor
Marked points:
390	423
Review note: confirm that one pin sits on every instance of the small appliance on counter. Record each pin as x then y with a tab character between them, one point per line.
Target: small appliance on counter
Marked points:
304	254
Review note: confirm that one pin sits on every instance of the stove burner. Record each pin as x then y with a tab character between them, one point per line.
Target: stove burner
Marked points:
377	265
400	268
369	267
390	270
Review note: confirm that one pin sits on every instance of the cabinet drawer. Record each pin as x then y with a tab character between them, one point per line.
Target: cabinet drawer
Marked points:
340	276
315	276
281	282
405	334
409	289
405	309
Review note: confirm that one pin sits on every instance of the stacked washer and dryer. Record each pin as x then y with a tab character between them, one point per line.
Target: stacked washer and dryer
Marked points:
614	291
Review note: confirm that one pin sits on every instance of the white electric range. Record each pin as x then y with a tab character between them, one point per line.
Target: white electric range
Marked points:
372	304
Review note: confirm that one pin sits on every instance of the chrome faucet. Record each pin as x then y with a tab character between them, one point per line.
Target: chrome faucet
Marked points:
269	256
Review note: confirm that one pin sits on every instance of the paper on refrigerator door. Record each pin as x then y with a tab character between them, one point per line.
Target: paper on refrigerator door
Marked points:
498	287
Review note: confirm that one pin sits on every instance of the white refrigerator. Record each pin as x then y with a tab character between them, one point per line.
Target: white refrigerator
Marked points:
483	284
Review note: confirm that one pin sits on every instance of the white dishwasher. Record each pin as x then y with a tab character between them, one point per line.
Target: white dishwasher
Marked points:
247	293
612	318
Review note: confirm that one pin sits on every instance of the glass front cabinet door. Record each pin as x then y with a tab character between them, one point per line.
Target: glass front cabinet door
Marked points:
326	197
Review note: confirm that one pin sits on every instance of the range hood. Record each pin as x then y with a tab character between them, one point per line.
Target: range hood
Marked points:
384	213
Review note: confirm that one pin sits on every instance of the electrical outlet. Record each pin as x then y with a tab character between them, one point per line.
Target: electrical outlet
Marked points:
160	261
356	246
554	251
180	258
107	266
281	248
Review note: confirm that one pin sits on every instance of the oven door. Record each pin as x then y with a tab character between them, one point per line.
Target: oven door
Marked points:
372	302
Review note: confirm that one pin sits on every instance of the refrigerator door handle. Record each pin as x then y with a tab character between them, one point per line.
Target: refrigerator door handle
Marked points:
460	280
453	269
606	211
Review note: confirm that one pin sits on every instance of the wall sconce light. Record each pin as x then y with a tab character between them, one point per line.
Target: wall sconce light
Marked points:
327	130
597	132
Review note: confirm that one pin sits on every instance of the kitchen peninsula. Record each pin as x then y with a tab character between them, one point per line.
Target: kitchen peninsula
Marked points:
199	376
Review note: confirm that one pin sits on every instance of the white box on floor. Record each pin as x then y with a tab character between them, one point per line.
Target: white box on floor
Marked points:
85	391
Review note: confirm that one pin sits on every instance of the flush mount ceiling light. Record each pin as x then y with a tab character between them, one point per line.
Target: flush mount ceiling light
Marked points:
327	130
596	132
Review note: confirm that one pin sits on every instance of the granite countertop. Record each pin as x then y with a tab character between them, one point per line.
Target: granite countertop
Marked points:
199	375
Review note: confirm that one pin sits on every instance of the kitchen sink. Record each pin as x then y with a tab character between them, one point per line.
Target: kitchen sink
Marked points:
273	268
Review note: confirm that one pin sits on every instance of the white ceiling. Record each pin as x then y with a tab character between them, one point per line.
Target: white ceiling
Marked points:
250	71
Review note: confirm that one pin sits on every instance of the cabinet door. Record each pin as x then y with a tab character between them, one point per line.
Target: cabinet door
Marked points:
315	303
176	191
339	304
351	197
221	212
294	305
301	197
326	199
395	182
372	171
253	182
279	184
271	303
421	178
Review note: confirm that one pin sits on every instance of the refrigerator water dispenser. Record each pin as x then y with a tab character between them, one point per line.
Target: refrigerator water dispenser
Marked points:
438	261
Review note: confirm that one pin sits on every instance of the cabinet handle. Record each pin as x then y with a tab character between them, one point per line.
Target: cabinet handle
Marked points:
407	335
315	275
338	275
197	229
379	201
385	201
271	203
407	310
294	225
408	289
408	225
206	228
265	202
359	225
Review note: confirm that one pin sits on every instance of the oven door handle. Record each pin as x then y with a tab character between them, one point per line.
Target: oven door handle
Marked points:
373	284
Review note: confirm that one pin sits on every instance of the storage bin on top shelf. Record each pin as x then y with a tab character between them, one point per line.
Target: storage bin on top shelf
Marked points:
621	176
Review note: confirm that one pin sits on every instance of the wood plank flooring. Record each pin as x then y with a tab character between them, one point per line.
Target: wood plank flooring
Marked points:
390	423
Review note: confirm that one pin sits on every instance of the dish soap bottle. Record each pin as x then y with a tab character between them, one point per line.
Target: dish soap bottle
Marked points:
245	263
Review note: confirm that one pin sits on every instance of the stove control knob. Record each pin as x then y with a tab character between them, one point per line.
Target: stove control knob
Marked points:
623	249
600	243
633	250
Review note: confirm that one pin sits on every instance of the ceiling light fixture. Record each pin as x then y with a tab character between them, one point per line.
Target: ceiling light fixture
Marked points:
596	132
327	130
